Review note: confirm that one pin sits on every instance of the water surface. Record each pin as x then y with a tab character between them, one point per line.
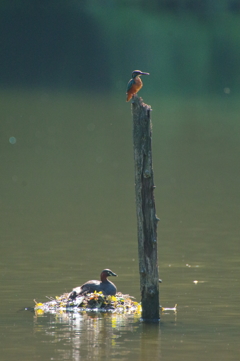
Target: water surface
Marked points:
67	212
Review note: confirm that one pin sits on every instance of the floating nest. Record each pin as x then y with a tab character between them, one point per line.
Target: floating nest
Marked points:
92	302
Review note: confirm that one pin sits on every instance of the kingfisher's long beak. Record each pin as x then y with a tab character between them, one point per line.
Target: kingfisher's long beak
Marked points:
142	73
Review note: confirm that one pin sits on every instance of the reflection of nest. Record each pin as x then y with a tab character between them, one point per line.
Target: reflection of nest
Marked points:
94	302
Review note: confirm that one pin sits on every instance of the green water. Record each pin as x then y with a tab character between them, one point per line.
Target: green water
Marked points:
67	211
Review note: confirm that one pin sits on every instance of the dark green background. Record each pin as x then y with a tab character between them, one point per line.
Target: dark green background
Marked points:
189	46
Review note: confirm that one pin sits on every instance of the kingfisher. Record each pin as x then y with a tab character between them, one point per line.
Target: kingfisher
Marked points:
135	84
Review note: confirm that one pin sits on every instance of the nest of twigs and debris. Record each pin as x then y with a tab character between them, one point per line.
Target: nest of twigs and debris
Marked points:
92	302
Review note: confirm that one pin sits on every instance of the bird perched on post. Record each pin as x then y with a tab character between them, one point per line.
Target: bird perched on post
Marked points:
135	84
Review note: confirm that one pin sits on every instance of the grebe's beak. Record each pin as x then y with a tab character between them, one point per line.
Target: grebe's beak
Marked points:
113	274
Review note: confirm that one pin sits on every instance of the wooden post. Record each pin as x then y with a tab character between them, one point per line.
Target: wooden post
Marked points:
146	211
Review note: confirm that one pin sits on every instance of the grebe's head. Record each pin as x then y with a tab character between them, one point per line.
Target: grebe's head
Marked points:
106	273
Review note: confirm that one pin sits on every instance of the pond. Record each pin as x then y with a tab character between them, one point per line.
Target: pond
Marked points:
68	212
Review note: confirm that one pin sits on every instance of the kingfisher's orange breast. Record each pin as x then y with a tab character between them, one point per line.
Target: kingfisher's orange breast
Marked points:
137	85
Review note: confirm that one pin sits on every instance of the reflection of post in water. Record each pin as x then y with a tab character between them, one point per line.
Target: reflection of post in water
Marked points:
150	342
146	212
